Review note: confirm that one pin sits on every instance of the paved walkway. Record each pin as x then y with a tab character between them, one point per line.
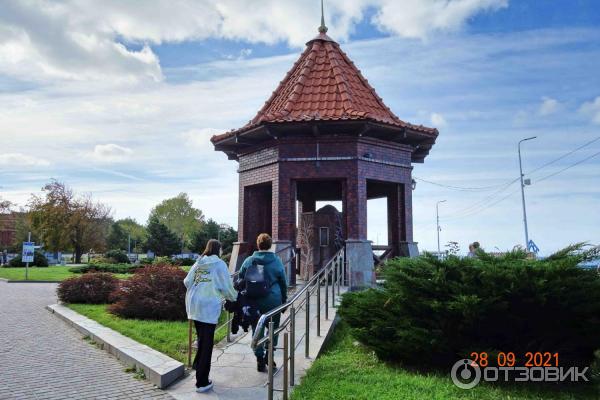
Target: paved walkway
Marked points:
41	357
233	368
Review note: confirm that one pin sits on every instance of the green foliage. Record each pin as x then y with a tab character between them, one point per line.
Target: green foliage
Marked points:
168	337
161	240
210	230
186	262
89	288
432	312
179	216
117	237
66	221
117	257
112	268
345	369
162	260
39	260
136	231
154	292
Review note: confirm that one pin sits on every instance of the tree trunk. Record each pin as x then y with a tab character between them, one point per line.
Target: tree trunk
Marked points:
78	253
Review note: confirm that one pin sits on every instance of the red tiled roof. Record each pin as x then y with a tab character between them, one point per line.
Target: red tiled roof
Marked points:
324	84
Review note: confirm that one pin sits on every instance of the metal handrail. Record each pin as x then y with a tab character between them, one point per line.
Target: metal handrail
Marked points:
334	268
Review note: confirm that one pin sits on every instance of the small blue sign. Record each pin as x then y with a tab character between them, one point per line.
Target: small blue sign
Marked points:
28	252
531	246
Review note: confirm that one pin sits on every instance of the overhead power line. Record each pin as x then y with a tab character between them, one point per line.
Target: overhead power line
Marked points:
462	188
490	201
503	184
563	156
568	167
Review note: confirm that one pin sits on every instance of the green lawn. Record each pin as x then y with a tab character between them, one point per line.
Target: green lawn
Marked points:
37	273
347	370
168	337
55	274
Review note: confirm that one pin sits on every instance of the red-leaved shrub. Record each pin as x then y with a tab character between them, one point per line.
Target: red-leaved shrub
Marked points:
92	288
154	292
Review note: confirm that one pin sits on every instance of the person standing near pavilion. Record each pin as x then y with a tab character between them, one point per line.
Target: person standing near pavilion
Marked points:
207	283
269	265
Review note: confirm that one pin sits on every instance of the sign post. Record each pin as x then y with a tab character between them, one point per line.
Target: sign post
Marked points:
28	253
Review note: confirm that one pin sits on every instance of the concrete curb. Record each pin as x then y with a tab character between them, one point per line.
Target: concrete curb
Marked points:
24	281
159	368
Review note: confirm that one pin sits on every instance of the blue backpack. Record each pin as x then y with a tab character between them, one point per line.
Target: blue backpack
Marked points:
257	282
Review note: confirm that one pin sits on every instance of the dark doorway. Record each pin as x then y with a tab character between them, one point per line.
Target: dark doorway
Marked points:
257	211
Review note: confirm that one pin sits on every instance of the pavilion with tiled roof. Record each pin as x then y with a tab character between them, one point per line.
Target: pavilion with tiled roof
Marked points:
325	134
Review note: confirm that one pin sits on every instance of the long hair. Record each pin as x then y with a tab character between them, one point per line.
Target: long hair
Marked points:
213	248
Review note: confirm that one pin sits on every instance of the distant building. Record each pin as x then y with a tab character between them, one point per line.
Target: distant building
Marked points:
8	229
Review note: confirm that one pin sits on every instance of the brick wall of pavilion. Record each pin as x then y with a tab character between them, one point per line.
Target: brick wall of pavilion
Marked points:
349	159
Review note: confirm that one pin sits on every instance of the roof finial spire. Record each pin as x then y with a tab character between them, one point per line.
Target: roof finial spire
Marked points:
322	28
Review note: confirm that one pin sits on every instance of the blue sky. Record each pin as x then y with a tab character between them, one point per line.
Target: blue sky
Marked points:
121	102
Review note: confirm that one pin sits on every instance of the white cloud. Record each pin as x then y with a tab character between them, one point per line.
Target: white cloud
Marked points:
200	138
111	153
79	40
592	110
22	160
548	106
438	120
473	80
419	18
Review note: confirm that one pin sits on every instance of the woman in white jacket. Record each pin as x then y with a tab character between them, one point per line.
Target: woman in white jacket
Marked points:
207	283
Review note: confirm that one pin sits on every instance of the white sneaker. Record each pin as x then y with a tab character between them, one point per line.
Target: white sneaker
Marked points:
206	388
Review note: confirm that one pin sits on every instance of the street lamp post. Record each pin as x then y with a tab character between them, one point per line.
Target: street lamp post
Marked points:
437	216
523	192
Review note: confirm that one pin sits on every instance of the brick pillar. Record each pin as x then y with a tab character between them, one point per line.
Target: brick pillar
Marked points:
355	208
359	253
284	210
394	212
408	221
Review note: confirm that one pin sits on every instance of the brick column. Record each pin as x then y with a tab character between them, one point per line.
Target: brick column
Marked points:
284	210
355	208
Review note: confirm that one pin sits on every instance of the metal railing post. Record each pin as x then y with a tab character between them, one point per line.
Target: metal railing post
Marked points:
270	359
339	274
306	335
319	307
333	284
293	342
326	295
285	366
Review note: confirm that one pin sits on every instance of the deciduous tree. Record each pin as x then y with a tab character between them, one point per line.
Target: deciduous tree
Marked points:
63	220
179	215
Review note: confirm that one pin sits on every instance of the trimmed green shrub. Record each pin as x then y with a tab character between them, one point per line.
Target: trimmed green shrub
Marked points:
154	292
433	313
145	261
89	288
112	268
185	262
39	260
117	257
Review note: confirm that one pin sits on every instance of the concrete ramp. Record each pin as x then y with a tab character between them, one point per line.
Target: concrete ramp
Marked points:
233	370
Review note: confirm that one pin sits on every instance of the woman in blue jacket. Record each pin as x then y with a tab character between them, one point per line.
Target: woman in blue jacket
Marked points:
277	295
